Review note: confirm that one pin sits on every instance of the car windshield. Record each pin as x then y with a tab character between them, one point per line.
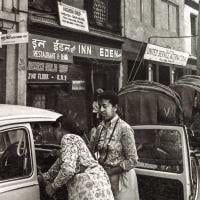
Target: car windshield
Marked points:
159	149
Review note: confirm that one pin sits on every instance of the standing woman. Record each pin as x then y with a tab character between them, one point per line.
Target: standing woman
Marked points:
78	170
114	145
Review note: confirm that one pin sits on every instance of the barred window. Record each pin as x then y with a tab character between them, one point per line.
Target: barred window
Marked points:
100	9
104	14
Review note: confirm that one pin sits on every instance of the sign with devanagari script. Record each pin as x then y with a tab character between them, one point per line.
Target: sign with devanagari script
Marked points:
50	49
72	17
14	38
54	49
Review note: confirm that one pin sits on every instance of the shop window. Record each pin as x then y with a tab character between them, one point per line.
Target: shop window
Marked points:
39	101
170	16
136	71
42	96
104	14
164	75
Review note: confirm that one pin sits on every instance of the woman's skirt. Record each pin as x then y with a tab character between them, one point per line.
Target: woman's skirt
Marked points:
93	184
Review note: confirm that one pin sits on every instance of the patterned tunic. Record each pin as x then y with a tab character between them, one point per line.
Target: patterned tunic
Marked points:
84	177
115	150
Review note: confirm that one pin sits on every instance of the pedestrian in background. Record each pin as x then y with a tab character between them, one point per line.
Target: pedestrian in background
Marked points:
95	108
77	169
114	145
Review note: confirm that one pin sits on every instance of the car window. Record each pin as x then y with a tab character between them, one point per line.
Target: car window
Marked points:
15	160
159	150
43	133
2	144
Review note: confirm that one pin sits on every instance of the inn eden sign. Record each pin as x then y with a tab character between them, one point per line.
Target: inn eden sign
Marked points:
54	49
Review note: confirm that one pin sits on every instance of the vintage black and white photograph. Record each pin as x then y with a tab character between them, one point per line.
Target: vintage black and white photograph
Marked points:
100	99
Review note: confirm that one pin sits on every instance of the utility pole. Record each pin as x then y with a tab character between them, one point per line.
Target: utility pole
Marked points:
198	44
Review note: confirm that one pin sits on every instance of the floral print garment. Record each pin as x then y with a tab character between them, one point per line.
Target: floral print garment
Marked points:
121	148
84	177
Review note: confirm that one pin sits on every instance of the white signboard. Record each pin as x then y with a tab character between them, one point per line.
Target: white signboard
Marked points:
165	55
14	38
72	17
78	85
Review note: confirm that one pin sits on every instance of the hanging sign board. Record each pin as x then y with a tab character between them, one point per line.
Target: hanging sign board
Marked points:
14	38
165	55
72	17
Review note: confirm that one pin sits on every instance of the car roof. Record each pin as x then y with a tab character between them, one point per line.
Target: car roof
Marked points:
10	114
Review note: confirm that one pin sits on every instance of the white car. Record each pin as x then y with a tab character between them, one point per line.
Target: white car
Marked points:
21	155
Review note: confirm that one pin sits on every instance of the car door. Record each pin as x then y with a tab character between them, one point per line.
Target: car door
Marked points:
164	168
18	176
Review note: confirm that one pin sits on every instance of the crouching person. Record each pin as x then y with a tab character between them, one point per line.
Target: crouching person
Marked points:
78	170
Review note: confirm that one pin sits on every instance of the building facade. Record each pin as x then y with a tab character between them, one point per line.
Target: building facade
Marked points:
13	57
191	29
65	64
157	22
61	66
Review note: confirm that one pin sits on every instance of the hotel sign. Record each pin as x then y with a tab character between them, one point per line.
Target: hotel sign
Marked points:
165	55
53	49
50	49
72	17
97	52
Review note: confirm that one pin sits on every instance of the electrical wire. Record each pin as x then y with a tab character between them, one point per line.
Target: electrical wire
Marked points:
142	59
141	46
178	37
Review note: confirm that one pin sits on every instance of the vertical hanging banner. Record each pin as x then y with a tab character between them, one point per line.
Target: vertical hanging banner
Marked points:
72	17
